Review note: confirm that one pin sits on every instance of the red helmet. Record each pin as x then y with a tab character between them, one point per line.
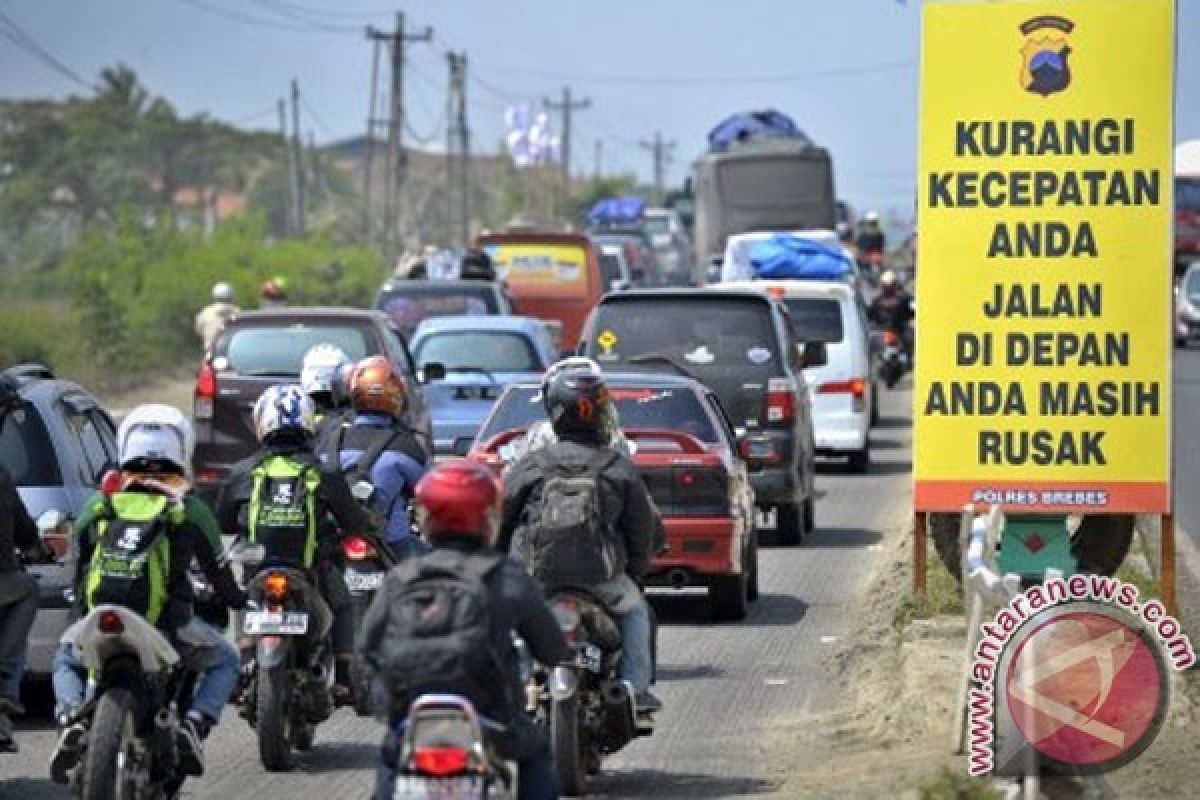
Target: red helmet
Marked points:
458	498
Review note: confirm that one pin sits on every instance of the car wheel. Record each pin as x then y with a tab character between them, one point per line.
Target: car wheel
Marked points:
1099	546
860	459
728	597
789	524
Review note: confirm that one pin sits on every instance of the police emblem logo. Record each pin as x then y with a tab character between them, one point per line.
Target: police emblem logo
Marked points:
1044	67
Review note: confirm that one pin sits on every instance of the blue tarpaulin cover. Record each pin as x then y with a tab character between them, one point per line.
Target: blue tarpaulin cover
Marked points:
764	124
617	210
787	257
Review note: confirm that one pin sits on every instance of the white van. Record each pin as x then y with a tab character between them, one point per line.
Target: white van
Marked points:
736	264
843	391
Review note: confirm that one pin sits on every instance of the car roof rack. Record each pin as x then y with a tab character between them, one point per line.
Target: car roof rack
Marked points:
26	373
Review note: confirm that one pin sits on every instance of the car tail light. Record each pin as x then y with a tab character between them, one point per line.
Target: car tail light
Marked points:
206	392
781	402
276	586
441	762
110	622
855	387
356	548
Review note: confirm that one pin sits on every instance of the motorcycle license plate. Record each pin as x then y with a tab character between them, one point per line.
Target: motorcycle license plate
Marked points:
416	787
289	623
363	581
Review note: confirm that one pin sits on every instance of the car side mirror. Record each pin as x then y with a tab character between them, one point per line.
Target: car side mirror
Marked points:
814	354
432	372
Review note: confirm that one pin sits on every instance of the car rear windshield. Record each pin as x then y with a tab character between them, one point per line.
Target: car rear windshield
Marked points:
1187	195
279	349
408	305
637	407
25	449
702	335
494	351
816	319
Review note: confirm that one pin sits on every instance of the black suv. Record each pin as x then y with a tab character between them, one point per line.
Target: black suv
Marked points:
740	344
259	349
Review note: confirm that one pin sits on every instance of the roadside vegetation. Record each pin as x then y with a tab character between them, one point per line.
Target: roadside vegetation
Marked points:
943	595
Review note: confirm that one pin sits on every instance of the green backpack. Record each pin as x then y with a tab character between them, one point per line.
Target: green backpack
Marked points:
131	561
283	510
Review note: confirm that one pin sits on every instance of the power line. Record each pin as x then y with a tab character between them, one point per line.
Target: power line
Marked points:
257	115
278	7
335	13
259	22
317	118
17	35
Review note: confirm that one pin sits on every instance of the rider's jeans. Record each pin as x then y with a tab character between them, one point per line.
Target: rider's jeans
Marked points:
18	607
211	654
625	600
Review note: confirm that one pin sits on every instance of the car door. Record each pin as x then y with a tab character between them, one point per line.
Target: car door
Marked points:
741	492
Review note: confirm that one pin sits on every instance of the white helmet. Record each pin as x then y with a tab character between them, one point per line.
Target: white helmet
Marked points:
156	432
322	367
871	216
222	293
888	278
284	407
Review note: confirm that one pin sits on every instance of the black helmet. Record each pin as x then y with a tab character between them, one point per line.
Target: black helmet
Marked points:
577	400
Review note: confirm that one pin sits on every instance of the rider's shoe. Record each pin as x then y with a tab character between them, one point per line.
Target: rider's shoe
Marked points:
193	730
647	703
66	755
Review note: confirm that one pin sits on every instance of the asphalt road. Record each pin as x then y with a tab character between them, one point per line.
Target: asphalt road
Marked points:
728	689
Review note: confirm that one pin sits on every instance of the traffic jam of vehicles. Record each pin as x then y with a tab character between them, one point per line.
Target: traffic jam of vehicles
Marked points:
611	501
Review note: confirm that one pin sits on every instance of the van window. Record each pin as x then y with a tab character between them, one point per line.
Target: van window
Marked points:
545	269
816	319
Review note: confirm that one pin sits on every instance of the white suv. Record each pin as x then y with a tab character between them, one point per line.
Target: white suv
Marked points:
843	390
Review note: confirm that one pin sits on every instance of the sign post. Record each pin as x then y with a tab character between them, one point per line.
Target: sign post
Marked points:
1043	369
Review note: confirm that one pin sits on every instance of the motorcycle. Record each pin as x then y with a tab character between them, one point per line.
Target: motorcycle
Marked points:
367	560
893	361
142	690
588	712
443	753
290	685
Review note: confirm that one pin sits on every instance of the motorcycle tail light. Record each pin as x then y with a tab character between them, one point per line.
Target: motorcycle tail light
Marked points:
276	586
441	762
110	622
356	548
889	338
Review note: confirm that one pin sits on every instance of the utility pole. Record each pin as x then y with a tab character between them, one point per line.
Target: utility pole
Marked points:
566	106
297	157
293	215
661	152
369	159
458	149
395	149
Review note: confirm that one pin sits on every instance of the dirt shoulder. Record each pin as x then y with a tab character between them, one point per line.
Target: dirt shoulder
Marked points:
893	731
174	390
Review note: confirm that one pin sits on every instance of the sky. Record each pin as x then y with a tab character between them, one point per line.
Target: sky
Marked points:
846	70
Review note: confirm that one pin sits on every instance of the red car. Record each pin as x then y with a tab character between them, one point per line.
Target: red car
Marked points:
689	456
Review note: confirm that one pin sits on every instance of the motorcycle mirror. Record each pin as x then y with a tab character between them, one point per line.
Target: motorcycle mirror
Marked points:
50	520
362	491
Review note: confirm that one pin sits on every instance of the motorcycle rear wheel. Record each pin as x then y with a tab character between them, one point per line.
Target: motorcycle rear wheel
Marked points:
274	719
569	759
112	730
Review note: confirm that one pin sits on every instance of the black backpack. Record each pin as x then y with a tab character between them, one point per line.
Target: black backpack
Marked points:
570	543
438	634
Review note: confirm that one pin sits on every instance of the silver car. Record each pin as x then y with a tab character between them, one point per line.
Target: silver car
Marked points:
57	449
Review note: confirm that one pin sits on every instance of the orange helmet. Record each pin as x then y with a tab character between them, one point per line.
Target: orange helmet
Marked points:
375	386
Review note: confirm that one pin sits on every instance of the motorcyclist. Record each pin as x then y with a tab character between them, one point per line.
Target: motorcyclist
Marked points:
18	589
155	445
581	411
871	238
892	307
213	317
273	293
458	507
379	447
321	377
284	421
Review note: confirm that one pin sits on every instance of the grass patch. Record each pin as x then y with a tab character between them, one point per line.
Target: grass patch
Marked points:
1133	571
949	785
943	595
